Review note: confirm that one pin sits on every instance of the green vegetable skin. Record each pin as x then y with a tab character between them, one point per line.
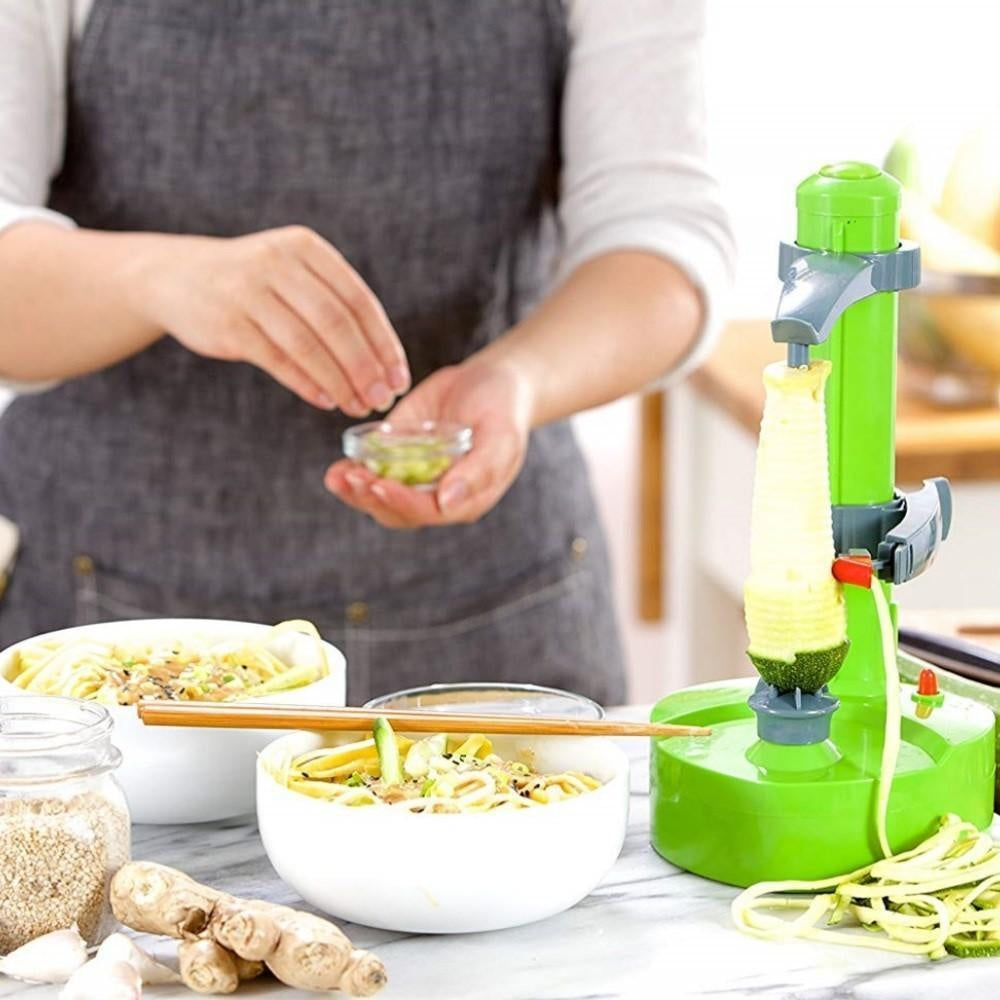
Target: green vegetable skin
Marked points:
967	948
808	671
414	463
388	752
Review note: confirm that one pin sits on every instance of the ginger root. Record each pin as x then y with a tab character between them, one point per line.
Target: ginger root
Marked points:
247	968
207	967
160	900
363	976
225	939
311	952
246	927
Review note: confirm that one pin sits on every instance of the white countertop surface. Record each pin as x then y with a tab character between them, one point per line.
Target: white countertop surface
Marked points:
648	931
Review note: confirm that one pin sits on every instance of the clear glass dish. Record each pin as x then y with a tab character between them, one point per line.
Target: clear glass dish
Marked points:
491	699
415	453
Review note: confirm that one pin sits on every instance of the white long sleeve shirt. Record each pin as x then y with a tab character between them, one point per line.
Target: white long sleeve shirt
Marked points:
634	174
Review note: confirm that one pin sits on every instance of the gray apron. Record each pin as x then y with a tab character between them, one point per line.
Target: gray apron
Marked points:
421	139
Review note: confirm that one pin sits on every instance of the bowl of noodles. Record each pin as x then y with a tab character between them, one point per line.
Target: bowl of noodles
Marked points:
169	774
441	834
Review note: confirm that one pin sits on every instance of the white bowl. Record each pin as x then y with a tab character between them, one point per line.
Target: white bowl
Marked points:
448	873
171	774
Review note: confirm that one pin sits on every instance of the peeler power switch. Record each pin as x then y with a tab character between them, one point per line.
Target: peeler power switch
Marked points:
857	570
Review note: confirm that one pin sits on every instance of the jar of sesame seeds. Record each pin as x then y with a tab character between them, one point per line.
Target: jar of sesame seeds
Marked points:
64	823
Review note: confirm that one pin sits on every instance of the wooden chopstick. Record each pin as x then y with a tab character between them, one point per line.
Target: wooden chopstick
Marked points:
235	715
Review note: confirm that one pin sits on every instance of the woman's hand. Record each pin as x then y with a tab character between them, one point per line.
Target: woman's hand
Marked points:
286	301
496	401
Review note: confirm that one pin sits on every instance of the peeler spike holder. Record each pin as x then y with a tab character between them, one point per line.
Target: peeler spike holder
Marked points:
786	785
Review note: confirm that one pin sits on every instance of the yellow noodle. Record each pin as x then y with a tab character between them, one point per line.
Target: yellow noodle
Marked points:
228	670
468	778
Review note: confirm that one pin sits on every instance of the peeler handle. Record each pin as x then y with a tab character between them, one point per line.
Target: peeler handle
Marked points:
910	546
903	535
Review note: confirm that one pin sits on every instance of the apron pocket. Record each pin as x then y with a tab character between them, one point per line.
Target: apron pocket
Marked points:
104	595
101	596
557	629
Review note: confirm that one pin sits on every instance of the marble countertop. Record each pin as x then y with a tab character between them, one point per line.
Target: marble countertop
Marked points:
648	931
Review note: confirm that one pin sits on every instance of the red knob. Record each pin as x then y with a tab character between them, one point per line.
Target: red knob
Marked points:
857	570
927	683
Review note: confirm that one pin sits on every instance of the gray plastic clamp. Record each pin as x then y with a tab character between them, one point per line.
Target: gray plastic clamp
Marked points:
892	270
912	544
864	528
819	285
903	535
793	718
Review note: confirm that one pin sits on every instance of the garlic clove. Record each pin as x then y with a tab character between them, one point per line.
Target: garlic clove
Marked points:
121	948
51	958
103	980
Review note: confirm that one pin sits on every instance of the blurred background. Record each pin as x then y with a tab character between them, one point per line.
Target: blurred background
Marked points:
792	85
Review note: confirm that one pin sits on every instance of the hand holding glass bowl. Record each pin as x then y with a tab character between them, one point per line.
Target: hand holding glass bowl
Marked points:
481	412
414	453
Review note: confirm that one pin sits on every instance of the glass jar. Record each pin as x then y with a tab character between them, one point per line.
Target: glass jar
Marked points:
64	823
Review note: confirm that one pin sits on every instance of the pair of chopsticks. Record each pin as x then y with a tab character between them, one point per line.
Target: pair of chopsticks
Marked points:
237	715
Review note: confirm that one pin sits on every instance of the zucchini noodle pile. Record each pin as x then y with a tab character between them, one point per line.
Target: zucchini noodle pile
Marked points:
942	897
190	669
440	774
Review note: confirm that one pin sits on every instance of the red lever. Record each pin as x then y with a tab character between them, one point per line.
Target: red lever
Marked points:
857	570
927	683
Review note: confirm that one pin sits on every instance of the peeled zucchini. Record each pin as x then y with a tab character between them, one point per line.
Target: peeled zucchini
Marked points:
794	607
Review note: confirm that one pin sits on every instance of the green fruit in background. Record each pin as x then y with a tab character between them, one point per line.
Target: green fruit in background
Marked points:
903	162
957	219
970	199
968	325
943	246
960	235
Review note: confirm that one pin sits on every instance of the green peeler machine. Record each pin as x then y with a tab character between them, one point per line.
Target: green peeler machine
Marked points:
786	787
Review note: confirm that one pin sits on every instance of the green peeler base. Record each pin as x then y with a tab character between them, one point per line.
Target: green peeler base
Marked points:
737	810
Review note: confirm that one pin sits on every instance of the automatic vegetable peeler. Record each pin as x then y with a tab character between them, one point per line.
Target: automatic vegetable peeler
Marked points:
787	786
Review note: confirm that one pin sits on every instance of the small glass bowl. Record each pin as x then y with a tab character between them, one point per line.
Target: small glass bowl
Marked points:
485	698
416	453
